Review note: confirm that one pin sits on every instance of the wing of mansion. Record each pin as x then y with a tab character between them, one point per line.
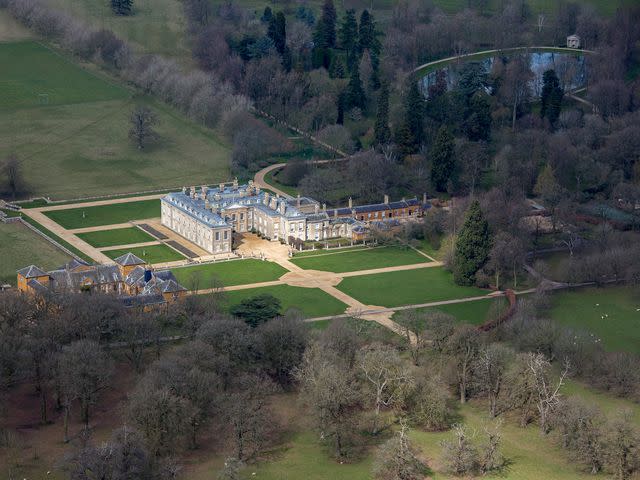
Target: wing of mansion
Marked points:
209	216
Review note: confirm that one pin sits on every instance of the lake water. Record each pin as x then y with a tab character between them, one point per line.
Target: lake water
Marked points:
570	68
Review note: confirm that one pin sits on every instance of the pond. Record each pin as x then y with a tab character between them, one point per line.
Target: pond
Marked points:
569	66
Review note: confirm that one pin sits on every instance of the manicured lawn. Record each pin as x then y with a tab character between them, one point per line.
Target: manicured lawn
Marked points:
322	251
20	247
235	272
81	217
32	75
77	145
584	309
364	259
117	236
408	287
313	302
152	253
474	313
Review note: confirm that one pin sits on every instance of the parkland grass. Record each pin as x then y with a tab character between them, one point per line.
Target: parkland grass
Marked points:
362	259
611	314
20	247
312	302
117	236
233	272
151	254
69	126
98	215
408	287
473	313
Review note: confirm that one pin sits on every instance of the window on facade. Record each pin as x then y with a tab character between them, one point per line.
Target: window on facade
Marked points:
226	234
217	235
242	216
233	217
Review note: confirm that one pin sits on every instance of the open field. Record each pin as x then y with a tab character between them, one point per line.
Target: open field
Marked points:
473	313
118	236
105	214
234	272
69	126
584	308
406	287
20	247
157	26
33	74
152	253
362	259
312	302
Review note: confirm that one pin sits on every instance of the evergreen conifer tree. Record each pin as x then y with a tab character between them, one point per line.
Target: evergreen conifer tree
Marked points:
355	93
277	32
414	111
442	159
382	133
122	7
551	96
325	35
472	246
349	31
367	33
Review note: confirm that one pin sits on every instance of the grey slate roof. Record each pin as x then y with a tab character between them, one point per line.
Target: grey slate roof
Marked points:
31	272
73	264
129	259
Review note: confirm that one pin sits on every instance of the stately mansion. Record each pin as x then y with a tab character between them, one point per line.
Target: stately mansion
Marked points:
209	216
134	282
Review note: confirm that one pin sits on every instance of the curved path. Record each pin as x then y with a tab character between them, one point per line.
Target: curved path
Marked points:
470	56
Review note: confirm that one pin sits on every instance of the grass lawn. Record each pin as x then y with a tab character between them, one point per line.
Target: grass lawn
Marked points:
408	287
362	259
322	251
95	216
117	236
234	272
584	308
30	71
77	145
20	247
313	302
474	313
152	254
272	179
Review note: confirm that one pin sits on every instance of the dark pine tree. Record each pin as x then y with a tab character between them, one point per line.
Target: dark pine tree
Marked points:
405	141
355	93
325	35
477	124
348	35
267	15
341	102
443	162
551	97
472	246
122	7
277	32
414	111
337	70
367	34
382	133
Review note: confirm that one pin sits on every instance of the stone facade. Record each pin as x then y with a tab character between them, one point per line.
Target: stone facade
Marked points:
208	216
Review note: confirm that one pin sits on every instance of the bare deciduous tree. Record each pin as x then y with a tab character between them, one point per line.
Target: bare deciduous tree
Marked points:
142	121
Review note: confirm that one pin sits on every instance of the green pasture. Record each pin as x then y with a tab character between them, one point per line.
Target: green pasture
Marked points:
473	313
69	126
312	302
393	289
33	76
152	254
81	217
234	272
117	236
20	247
361	259
611	314
156	26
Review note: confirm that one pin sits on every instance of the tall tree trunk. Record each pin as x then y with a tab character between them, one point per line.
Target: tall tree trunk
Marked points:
43	406
67	407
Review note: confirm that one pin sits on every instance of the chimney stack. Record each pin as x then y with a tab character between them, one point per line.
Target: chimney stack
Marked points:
283	207
386	199
221	186
324	207
192	192
316	208
266	198
350	202
235	183
184	190
424	198
298	201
